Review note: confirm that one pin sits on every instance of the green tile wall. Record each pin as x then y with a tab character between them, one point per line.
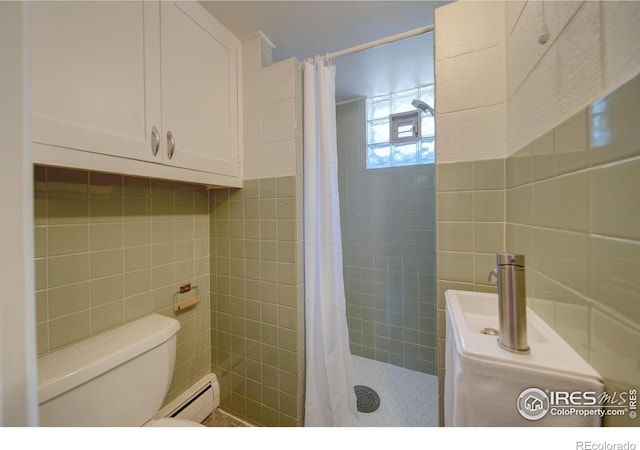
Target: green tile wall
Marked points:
257	309
470	218
573	210
110	249
388	236
571	207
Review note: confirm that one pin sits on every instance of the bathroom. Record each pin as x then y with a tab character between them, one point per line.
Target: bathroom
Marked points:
504	103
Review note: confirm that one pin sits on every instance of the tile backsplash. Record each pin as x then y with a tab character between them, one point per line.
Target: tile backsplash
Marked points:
112	248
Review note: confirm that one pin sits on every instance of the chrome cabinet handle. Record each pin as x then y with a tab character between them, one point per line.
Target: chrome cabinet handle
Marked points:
171	144
155	141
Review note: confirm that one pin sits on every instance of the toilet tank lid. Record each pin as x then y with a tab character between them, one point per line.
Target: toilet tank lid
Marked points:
68	367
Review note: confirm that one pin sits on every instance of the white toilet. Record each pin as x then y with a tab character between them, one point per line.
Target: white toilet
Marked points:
117	378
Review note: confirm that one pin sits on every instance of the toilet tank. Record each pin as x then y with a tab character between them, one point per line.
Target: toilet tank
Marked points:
116	378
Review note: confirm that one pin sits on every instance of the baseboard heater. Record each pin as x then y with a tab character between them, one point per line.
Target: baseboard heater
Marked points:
196	403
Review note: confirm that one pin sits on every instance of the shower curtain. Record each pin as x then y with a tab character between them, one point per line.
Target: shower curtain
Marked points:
330	396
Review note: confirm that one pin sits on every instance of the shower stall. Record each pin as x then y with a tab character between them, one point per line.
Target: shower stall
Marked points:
388	233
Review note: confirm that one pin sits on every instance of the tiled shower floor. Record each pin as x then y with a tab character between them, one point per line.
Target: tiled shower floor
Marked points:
407	398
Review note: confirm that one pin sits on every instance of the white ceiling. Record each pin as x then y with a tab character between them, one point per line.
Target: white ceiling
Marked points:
304	29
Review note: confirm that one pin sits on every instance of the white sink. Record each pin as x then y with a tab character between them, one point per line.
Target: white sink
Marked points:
471	312
484	382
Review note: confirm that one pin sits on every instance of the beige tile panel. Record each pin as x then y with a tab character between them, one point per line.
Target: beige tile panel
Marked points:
613	275
39	179
162	189
68	329
106	263
137	187
42	309
40	210
67	181
488	206
137	209
68	269
571	143
519	168
543	203
614	200
106	290
454	176
137	233
612	133
138	306
105	236
614	350
137	282
69	299
519	239
519	203
483	264
489	174
570	311
455	266
105	184
454	206
455	236
62	210
137	258
64	240
571	202
488	237
106	209
562	256
542	157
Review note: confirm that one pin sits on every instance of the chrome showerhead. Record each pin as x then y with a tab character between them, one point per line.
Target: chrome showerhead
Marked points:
423	107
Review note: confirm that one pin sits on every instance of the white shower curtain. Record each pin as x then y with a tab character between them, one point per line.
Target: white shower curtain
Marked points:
330	397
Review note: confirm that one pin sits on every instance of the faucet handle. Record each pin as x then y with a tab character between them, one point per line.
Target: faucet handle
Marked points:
493	275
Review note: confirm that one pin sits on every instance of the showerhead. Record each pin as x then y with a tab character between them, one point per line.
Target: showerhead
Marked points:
422	106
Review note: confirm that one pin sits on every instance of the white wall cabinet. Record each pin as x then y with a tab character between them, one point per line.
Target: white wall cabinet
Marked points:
140	88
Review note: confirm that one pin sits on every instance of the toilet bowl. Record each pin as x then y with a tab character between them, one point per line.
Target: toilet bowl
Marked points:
117	378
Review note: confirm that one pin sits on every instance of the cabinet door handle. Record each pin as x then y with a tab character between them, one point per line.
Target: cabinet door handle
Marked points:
155	141
171	144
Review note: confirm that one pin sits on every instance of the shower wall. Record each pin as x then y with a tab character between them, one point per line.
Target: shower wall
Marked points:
388	236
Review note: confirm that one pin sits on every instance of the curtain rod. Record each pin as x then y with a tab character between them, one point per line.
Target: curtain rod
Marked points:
379	42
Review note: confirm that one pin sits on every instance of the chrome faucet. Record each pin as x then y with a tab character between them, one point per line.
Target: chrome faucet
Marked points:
512	302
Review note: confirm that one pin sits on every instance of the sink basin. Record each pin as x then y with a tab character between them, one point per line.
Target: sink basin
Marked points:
471	312
486	385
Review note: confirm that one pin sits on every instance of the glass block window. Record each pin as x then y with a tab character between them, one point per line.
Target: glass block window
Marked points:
381	152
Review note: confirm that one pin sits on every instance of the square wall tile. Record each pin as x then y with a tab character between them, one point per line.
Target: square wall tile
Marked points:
612	134
614	265
488	206
614	201
570	143
454	206
489	174
454	176
543	157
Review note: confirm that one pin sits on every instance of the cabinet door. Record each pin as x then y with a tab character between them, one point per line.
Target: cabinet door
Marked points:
199	89
96	82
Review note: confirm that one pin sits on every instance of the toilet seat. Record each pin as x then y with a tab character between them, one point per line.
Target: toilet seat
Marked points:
172	422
